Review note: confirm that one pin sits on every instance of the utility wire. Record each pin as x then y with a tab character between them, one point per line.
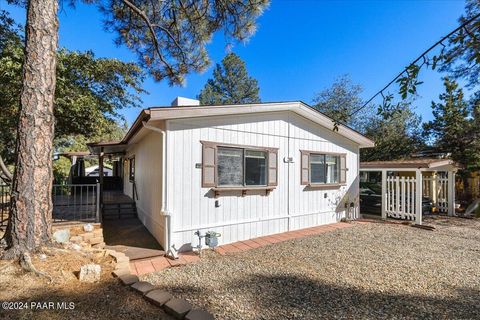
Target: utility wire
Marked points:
422	56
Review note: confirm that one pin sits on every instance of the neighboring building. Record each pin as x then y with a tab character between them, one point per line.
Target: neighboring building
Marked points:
93	171
243	171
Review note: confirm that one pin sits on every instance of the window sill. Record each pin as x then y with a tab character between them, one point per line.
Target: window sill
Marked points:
244	190
326	185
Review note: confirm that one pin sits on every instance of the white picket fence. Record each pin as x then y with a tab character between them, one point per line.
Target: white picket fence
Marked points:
436	188
400	202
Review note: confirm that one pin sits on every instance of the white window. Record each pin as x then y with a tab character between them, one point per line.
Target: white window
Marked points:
241	167
322	168
238	166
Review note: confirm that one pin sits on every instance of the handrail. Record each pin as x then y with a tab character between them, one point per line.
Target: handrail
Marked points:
76	202
75	185
135	192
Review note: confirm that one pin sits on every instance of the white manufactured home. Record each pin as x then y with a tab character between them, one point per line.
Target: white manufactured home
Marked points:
243	171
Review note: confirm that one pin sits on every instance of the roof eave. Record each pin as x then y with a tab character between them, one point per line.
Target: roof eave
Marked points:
137	125
298	107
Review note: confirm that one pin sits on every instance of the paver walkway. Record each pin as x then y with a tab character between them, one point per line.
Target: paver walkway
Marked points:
278	237
160	263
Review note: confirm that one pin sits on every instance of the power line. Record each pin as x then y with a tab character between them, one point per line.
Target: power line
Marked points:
422	56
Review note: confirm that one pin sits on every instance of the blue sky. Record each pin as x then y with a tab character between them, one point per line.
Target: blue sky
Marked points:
300	47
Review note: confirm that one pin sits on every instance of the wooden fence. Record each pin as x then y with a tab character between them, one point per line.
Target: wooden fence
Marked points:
436	189
400	202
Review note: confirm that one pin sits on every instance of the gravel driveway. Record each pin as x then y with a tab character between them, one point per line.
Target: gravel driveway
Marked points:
372	271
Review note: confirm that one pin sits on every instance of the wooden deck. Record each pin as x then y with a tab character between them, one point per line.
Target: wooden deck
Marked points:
116	197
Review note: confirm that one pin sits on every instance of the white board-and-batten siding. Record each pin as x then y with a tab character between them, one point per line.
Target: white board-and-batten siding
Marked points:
290	206
148	181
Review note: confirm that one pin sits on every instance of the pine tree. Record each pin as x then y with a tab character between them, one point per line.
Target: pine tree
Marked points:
451	129
231	84
169	38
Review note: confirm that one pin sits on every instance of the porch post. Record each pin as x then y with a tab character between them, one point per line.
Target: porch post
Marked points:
418	197
100	173
98	215
434	188
451	193
384	194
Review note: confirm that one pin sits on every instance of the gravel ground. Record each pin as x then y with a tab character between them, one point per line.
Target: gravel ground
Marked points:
372	271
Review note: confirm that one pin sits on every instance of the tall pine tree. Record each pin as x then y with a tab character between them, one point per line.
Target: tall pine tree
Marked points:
169	38
452	127
231	84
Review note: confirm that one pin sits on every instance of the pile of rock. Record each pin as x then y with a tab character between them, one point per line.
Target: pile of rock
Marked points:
88	235
82	237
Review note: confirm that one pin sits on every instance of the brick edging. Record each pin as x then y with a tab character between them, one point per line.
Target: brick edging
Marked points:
179	308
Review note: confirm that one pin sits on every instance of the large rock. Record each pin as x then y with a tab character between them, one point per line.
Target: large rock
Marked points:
61	236
88	227
90	273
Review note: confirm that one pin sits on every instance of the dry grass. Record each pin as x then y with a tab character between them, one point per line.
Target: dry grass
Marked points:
107	299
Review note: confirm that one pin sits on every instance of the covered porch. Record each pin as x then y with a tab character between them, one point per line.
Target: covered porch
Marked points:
86	192
407	189
115	207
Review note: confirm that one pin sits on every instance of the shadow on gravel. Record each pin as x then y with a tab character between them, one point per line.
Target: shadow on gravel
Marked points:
295	295
105	300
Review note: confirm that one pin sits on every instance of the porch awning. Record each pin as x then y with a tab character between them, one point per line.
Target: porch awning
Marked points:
423	163
109	147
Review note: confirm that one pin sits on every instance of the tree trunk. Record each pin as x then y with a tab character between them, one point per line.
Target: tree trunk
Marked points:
30	221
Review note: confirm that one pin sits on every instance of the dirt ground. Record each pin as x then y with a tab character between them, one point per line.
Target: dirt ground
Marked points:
66	297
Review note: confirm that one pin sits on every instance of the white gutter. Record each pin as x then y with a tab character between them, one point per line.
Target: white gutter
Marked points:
171	251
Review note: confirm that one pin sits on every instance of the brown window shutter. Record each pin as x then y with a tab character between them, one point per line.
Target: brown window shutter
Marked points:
343	168
272	168
208	166
305	168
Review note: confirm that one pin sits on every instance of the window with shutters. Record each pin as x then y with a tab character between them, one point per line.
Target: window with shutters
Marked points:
323	168
234	166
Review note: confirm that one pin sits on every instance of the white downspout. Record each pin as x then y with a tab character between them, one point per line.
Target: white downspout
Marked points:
171	251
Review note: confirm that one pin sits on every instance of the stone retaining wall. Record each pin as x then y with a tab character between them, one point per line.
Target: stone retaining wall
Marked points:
78	235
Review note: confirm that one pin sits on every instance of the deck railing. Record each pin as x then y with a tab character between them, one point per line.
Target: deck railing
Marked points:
76	202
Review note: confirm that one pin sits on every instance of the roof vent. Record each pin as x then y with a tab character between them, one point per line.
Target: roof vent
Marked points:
182	102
